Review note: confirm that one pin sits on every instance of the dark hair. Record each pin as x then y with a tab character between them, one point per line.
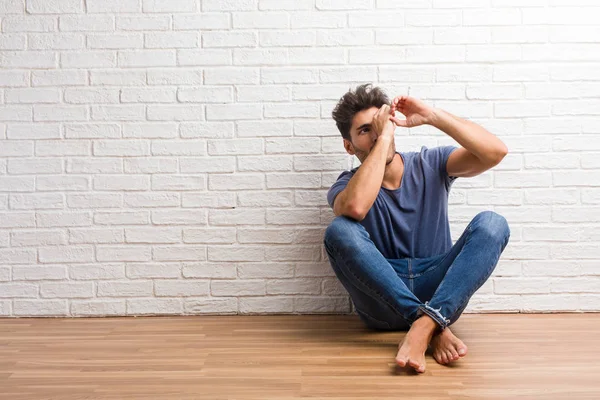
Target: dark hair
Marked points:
364	97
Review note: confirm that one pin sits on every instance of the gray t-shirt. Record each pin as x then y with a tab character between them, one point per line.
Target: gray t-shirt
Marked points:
411	221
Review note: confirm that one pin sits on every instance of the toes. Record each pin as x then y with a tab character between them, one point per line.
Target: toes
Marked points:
416	365
449	355
401	361
462	351
443	358
454	354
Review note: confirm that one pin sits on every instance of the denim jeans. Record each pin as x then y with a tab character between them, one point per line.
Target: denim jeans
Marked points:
390	294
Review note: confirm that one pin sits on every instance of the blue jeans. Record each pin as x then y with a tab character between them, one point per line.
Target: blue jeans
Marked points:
390	294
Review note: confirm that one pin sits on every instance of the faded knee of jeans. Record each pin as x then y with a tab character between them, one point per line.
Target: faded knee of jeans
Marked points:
342	232
494	225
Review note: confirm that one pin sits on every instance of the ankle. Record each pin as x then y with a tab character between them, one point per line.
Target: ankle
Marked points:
427	324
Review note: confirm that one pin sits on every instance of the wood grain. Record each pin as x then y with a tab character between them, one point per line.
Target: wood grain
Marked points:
524	356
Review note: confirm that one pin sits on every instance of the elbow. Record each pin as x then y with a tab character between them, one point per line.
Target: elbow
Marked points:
500	154
355	212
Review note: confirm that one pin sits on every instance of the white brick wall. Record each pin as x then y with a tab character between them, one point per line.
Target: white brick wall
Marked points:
173	156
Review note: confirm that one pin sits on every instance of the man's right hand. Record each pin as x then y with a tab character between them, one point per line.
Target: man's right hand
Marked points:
382	123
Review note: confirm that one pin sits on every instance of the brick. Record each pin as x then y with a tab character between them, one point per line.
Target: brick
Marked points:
235	146
242	111
169	6
32	308
202	21
174	77
148	271
35	273
154	306
115	41
143	23
205	94
237	288
207	164
14	78
92	131
118	78
153	235
206	130
287	38
236	182
88	59
229	5
67	290
124	288
206	57
121	218
265	199
28	60
178	183
209	235
116	182
175	113
264	163
151	200
147	58
56	41
13	41
54	7
266	305
229	39
179	217
123	253
86	23
209	270
96	236
170	40
237	216
209	200
182	288
97	308
29	23
179	253
258	57
279	75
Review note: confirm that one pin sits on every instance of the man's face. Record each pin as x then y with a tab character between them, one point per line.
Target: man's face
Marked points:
363	137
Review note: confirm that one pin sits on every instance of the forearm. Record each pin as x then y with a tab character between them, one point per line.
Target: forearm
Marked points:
362	190
473	137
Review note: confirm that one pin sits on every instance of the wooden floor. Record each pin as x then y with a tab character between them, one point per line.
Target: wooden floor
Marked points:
511	356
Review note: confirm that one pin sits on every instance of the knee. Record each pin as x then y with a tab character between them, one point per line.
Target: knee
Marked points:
342	232
493	225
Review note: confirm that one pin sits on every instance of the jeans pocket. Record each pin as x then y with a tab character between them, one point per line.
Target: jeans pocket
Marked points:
372	322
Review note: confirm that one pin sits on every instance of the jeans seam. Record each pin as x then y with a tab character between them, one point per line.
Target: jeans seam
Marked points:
467	230
376	293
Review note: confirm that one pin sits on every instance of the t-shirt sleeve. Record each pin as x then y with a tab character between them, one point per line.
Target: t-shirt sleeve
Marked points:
437	157
338	186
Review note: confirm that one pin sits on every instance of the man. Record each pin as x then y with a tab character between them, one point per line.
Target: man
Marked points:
390	243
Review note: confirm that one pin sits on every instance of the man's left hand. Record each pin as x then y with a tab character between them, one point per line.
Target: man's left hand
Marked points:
416	112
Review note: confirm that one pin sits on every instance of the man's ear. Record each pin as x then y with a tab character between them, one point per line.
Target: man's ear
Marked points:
349	148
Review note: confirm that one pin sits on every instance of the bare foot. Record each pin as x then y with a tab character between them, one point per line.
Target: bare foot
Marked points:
413	346
447	348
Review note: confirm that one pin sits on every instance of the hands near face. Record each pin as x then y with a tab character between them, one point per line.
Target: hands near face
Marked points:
416	112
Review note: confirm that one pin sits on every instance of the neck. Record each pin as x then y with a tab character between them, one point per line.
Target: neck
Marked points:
392	177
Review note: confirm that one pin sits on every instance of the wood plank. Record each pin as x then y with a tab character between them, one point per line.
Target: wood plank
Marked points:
525	356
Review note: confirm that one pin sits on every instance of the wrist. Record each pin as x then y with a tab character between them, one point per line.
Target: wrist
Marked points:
435	117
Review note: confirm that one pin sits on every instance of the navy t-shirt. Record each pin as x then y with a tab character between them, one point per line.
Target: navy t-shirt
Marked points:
411	221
